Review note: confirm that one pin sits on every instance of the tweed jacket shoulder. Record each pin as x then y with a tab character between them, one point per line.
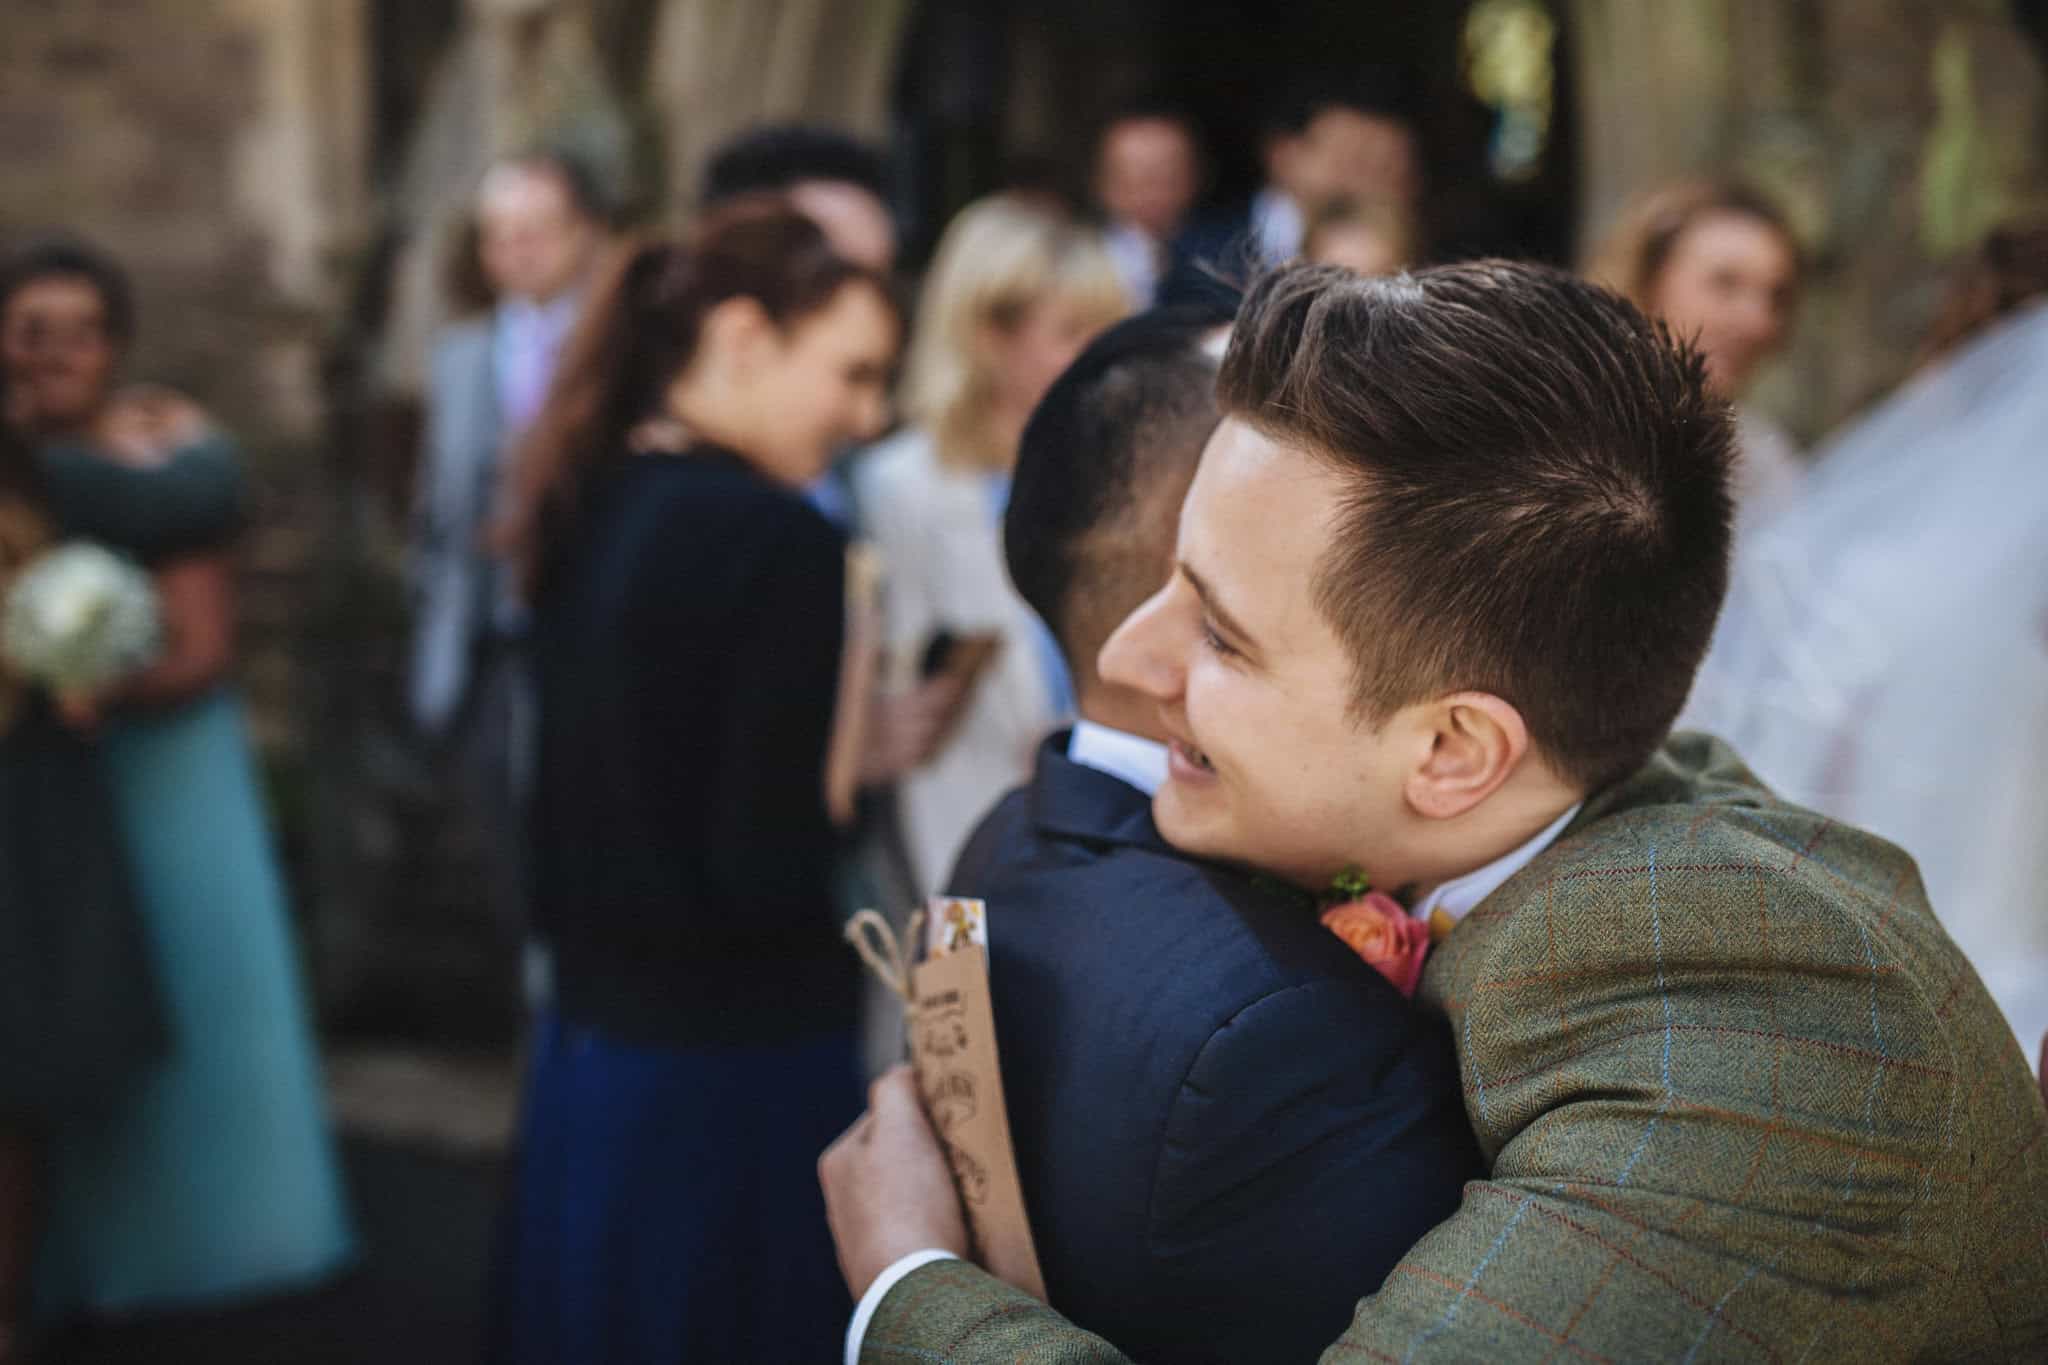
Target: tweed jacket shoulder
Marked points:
1743	1100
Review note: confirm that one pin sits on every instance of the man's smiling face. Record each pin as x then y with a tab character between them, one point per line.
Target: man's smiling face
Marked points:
1270	765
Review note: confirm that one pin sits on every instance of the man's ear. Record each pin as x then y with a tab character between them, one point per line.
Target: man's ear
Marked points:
1469	743
738	329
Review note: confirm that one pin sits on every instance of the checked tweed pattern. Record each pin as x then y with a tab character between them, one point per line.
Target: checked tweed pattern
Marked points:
1743	1098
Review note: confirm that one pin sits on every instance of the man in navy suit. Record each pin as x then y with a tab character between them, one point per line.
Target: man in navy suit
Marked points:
1201	1080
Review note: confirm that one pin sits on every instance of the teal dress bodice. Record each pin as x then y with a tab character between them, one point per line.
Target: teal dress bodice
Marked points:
81	1014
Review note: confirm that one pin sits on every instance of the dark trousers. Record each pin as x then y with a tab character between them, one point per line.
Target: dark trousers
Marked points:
492	753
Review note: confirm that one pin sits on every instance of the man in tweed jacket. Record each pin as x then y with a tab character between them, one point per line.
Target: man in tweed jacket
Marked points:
1742	1097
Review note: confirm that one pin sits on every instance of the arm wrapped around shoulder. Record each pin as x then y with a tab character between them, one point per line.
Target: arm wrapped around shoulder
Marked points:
1723	1065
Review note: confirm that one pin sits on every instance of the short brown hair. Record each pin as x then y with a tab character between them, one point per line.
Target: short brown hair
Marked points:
1539	497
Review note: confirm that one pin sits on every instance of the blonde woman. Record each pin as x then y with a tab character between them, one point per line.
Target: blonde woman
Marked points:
1013	295
1718	262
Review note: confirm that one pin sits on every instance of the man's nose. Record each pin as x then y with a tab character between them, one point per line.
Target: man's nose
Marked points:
1141	654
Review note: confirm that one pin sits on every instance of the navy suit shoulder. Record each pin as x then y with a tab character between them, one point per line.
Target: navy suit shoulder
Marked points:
1224	1121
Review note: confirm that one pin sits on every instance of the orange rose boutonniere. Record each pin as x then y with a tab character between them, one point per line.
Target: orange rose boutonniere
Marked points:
1373	925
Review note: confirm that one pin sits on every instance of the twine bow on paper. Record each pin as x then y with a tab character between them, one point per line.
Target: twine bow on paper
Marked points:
887	956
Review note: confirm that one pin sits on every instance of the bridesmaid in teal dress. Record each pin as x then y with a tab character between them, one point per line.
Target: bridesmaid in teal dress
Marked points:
214	1178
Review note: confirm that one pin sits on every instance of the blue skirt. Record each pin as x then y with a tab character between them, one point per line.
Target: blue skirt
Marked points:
665	1205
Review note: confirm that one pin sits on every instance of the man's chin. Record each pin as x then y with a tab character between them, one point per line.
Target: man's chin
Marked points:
1190	830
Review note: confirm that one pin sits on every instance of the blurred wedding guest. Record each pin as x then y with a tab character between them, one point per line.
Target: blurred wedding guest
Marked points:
837	181
1317	146
1148	170
1013	295
1883	656
842	185
1716	259
689	624
540	224
80	1015
1369	236
214	1178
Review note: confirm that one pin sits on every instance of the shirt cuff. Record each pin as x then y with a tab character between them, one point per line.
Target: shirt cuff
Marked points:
857	1331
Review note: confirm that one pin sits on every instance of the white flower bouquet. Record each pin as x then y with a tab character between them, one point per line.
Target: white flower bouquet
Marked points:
79	618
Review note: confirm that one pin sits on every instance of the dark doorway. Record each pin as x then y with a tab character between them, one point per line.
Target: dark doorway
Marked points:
993	94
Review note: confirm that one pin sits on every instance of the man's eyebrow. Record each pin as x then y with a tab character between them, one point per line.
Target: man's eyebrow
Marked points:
1215	607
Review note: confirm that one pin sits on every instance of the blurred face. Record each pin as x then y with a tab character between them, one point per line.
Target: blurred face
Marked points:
1030	353
1148	177
854	221
1355	246
1267	767
535	243
1345	152
58	355
1731	281
821	384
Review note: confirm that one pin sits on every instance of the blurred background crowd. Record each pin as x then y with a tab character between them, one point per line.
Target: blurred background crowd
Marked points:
361	237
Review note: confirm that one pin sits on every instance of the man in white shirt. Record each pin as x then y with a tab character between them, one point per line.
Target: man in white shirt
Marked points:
1148	169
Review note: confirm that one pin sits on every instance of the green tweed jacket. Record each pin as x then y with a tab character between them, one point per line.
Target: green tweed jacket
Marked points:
1743	1098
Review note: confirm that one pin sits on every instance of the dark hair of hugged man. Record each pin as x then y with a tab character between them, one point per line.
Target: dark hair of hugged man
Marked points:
1543	509
1101	471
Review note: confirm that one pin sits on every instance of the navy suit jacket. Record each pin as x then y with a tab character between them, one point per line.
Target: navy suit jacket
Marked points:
1225	1122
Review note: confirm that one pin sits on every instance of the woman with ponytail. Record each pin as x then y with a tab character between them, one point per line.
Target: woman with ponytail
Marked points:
689	608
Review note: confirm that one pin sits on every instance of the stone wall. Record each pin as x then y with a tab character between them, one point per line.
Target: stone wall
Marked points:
220	158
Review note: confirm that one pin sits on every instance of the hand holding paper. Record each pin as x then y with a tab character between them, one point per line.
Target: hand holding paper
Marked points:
958	1076
888	1190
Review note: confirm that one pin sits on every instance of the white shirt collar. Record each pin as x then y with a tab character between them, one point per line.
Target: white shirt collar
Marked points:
1127	757
1277	225
529	316
1458	896
1136	257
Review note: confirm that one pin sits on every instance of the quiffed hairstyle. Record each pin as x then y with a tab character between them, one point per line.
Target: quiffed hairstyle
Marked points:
779	157
640	332
1103	465
1537	495
70	258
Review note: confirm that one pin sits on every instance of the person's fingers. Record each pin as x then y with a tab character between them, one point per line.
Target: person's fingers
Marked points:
897	1108
891	1086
